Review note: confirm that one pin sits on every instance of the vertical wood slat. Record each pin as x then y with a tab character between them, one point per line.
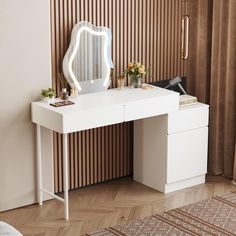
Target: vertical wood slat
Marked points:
148	31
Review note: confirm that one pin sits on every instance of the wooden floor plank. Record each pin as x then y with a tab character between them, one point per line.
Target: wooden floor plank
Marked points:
107	204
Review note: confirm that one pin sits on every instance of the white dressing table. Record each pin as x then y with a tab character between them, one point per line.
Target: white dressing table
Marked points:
161	129
95	110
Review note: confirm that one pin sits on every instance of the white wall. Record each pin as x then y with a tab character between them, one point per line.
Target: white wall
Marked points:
25	68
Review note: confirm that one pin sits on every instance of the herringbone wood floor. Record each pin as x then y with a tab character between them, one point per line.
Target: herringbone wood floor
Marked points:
105	205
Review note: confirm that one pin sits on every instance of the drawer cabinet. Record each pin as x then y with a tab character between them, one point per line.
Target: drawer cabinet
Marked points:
170	151
187	152
188	118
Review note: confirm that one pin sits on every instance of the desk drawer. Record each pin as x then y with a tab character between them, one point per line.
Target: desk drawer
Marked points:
188	118
92	118
145	108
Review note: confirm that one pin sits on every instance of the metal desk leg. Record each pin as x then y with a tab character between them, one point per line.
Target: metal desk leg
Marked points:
39	165
65	176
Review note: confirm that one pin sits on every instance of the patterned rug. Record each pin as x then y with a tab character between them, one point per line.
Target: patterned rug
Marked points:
214	216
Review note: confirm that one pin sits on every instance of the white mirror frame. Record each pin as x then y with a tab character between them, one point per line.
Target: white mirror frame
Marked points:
91	85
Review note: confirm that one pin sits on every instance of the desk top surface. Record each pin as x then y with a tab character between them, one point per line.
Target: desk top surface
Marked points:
108	98
98	109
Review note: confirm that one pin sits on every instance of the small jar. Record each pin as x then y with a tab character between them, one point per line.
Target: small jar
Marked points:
74	93
121	82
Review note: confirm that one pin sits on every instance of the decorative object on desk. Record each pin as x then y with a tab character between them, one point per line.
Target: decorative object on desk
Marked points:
146	86
187	100
136	70
48	95
176	81
74	93
62	103
121	81
64	94
136	81
64	83
166	84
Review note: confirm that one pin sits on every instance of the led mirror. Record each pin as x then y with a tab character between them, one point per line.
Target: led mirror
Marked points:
87	62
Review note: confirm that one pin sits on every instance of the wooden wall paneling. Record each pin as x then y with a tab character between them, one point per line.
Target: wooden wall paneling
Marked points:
83	169
170	44
103	153
80	167
148	31
87	156
113	153
121	157
117	151
174	30
76	159
110	151
91	145
161	38
95	156
106	153
124	140
71	162
55	162
99	155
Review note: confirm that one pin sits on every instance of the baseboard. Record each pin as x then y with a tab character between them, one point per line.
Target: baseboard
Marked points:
184	184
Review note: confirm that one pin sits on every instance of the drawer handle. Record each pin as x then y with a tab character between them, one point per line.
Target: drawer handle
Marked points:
185	37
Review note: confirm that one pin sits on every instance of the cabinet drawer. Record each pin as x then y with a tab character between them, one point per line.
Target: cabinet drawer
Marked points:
144	108
187	154
188	118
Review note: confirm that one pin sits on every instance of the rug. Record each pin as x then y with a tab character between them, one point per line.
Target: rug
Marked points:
214	216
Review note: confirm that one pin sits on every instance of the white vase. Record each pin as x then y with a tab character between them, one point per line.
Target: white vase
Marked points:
49	100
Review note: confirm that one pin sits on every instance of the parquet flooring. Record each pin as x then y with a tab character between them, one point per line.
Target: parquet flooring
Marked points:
107	204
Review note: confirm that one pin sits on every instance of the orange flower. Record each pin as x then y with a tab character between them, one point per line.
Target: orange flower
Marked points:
130	65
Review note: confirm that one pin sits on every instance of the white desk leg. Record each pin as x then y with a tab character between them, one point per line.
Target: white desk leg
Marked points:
39	165
65	177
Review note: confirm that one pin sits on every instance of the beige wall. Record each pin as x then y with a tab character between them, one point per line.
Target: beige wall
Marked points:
25	68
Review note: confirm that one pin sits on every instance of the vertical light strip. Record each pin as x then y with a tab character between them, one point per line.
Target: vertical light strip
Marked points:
149	31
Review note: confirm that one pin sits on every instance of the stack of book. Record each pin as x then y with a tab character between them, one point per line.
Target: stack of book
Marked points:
187	100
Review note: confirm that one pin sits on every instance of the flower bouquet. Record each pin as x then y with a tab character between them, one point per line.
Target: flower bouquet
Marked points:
136	70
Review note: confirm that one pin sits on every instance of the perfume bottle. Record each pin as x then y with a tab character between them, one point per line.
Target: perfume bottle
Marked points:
65	95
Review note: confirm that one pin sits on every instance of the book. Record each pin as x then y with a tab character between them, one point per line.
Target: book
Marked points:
186	100
62	103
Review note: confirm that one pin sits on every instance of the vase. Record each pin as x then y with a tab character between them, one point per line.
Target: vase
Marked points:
136	81
49	100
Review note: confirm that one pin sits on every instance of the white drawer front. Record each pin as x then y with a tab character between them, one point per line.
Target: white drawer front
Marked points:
188	118
151	107
93	118
187	154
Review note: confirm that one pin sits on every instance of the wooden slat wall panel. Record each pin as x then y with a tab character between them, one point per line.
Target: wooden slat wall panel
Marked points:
148	31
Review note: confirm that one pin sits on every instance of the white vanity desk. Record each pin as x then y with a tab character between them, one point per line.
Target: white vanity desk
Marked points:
95	110
170	144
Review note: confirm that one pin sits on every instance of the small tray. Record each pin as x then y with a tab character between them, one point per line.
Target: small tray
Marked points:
62	103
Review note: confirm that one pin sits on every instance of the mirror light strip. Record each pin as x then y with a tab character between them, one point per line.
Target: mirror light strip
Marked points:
85	28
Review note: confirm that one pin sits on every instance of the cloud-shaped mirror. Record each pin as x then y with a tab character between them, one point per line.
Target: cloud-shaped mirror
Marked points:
87	62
